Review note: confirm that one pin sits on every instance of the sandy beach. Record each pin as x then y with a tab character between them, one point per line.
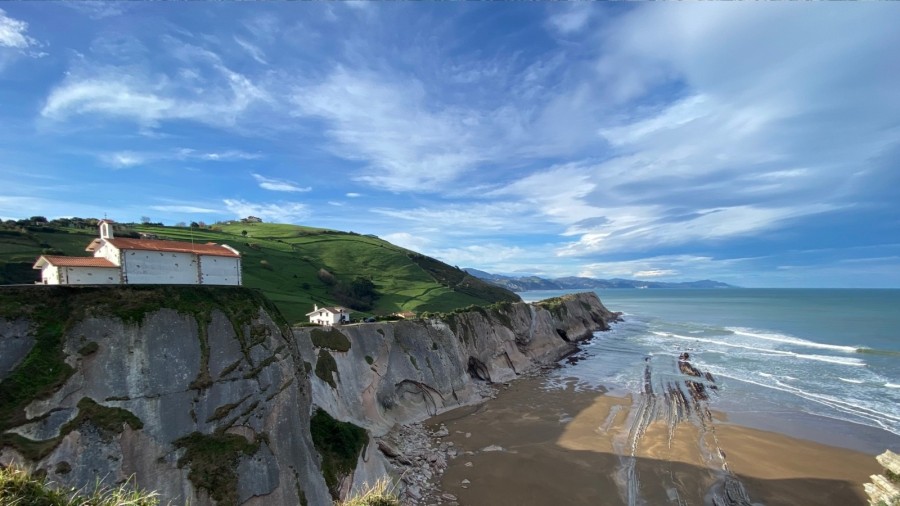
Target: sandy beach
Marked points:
530	446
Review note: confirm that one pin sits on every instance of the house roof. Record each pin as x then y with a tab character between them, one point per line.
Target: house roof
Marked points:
332	310
211	249
73	262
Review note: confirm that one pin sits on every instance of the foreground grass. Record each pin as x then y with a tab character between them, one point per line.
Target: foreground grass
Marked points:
380	494
20	488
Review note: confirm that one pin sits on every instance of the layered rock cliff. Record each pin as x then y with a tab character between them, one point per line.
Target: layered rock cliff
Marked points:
195	391
401	372
204	395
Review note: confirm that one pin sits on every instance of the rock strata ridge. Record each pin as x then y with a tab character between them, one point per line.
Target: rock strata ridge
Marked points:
205	395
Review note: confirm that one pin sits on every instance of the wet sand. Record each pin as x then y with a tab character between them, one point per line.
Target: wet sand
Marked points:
532	446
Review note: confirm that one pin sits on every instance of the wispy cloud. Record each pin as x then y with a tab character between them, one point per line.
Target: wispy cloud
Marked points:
126	159
283	212
279	185
15	41
13	33
571	17
389	124
196	86
255	52
185	209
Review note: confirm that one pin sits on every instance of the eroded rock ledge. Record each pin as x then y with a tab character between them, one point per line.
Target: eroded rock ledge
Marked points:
204	394
399	373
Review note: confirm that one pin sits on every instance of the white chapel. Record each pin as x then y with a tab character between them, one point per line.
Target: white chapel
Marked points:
143	261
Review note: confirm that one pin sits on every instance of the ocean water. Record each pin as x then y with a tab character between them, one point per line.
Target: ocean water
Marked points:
819	364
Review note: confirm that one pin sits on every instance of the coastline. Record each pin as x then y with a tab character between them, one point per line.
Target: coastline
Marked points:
525	448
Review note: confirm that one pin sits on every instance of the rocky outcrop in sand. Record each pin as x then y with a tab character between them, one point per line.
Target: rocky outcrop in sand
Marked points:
885	489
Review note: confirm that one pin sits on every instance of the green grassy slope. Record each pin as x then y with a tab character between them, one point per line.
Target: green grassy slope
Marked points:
283	262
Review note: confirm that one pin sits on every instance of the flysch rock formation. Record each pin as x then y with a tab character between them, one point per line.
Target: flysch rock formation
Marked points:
205	395
885	489
399	373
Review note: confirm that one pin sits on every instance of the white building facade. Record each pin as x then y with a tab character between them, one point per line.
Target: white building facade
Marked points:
329	315
144	261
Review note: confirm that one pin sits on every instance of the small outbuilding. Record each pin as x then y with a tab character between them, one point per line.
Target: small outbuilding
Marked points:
329	315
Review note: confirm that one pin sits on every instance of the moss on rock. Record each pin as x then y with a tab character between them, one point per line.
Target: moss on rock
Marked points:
333	339
213	461
339	444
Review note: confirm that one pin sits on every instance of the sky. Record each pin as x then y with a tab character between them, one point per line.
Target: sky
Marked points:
756	144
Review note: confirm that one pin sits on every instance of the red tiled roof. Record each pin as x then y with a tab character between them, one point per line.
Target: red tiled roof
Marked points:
212	249
78	261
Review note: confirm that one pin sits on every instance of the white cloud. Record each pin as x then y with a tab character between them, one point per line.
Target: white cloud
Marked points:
185	209
470	219
570	17
126	159
631	233
196	85
255	52
12	32
123	159
655	273
408	241
281	212
390	124
353	195
279	185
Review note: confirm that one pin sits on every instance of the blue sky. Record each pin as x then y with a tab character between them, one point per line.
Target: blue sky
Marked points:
756	144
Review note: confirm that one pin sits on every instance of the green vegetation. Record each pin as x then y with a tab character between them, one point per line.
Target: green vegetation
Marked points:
54	310
370	360
363	272
379	494
213	459
892	476
339	444
109	421
332	339
325	366
18	487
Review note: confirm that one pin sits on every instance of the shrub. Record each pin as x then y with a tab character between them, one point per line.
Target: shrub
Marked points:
379	494
333	339
339	444
19	487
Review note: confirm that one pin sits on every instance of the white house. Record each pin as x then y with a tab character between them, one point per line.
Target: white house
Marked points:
329	315
143	261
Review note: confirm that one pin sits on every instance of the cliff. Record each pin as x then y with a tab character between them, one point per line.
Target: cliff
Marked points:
195	391
381	374
205	395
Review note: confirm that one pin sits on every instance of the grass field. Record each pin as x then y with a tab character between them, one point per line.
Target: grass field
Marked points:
283	262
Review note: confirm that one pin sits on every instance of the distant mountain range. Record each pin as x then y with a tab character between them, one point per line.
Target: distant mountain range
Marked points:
526	283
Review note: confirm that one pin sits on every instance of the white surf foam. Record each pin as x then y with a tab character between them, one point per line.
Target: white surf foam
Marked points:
855	362
857	382
891	385
781	338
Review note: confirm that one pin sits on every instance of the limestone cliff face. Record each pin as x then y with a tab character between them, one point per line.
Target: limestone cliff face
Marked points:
405	371
206	404
204	395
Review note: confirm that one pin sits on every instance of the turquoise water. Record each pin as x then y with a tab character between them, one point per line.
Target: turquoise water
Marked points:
790	360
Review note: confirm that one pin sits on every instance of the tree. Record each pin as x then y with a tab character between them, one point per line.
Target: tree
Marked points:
244	233
194	224
145	219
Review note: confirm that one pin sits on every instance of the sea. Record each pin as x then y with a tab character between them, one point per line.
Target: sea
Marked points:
819	364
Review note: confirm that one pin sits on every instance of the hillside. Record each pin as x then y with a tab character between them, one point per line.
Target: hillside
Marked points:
526	283
294	266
